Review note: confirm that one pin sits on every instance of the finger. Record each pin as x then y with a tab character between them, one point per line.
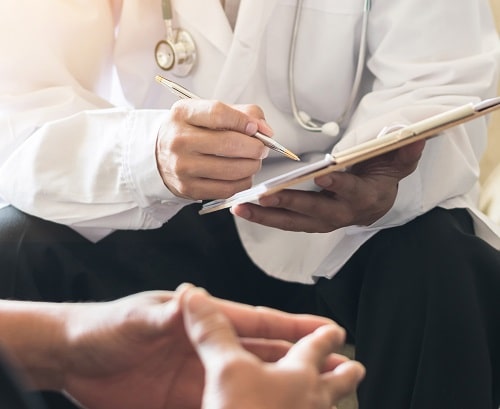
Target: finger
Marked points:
227	144
272	350
274	217
355	198
151	297
395	164
309	212
183	288
361	199
333	360
408	156
210	332
262	322
214	115
202	189
219	167
184	140
343	380
342	184
256	112
316	347
318	205
267	350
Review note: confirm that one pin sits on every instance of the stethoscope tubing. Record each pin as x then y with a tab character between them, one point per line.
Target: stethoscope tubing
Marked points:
309	125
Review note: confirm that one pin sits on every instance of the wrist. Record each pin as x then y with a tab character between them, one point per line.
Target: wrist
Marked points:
33	335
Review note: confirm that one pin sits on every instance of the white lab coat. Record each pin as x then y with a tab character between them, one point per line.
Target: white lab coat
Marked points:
73	149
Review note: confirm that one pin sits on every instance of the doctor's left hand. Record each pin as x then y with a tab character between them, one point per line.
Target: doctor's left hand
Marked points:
359	196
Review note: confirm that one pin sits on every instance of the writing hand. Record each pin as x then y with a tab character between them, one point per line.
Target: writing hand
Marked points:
204	150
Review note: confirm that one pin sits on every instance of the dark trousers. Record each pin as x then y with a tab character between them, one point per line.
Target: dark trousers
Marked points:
421	302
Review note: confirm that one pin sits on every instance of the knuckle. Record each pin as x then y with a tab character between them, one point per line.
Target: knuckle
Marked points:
175	144
254	110
179	110
216	111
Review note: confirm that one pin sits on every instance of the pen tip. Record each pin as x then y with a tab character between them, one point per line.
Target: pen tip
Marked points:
292	155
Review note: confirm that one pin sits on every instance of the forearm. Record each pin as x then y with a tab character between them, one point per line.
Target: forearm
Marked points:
33	334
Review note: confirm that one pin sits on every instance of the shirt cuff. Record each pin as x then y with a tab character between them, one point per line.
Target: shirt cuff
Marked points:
141	173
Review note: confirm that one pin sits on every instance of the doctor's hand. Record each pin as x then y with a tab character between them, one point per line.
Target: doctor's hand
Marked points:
204	149
359	196
310	376
135	353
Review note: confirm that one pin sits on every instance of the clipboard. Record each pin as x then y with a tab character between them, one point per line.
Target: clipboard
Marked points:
424	129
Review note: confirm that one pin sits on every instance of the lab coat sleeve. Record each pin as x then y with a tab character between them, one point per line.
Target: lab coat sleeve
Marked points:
94	168
418	69
66	153
424	57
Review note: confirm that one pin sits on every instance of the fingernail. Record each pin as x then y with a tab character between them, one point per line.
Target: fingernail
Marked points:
251	128
323	181
241	211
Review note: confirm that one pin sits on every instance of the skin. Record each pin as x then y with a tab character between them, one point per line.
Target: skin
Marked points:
309	376
359	196
143	351
203	152
203	149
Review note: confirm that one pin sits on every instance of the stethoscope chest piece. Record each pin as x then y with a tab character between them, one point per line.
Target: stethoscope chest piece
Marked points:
177	53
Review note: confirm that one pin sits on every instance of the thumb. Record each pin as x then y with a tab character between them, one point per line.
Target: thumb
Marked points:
210	332
409	155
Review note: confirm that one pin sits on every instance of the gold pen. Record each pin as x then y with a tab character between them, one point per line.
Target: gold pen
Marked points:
182	92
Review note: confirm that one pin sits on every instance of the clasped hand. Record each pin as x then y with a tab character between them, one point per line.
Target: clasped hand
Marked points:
187	350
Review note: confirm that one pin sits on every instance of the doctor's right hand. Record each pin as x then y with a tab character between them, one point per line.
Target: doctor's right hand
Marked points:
204	149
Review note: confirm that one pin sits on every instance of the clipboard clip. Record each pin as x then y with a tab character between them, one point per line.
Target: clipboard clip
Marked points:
487	104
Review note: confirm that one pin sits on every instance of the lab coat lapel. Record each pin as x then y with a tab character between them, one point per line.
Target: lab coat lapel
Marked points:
239	50
242	56
196	14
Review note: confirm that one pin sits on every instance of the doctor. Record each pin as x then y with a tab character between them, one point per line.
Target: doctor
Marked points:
103	182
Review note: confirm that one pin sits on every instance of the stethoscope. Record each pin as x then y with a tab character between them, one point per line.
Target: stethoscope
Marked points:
331	128
177	54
